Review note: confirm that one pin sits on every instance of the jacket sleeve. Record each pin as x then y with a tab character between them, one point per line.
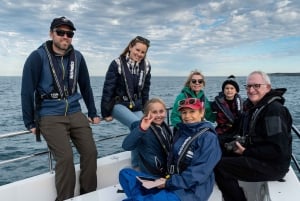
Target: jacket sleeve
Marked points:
109	88
205	158
30	78
132	140
86	89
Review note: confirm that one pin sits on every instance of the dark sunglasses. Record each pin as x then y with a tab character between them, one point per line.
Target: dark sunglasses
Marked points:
188	101
143	40
200	81
255	86
59	32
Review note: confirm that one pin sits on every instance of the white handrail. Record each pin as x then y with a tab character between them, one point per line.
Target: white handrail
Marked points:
14	134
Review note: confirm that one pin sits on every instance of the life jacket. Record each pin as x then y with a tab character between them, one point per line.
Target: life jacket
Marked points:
255	115
165	142
228	114
133	87
63	85
249	125
224	107
183	151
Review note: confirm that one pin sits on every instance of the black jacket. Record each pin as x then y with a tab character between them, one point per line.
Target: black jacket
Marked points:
268	127
115	89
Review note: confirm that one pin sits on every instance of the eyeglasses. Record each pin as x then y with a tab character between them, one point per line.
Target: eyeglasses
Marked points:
255	86
59	32
143	40
200	81
188	101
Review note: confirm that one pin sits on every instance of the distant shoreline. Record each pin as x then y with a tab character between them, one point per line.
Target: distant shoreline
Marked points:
284	74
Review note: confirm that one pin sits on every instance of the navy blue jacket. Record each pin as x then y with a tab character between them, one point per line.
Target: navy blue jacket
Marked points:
37	79
114	88
154	156
196	180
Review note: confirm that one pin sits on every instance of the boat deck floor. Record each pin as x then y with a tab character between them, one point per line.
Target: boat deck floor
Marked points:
111	194
277	191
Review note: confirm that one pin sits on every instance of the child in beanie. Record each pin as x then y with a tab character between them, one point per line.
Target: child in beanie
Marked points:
228	108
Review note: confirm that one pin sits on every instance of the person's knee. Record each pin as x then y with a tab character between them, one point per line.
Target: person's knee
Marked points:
90	153
66	158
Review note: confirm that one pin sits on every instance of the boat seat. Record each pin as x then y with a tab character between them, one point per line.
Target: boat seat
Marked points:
108	193
216	194
272	190
279	191
112	190
112	193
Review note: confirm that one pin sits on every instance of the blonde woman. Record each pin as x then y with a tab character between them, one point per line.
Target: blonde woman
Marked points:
193	88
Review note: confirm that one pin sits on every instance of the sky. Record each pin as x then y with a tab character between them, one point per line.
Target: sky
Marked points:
218	38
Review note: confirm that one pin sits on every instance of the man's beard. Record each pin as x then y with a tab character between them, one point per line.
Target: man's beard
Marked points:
59	46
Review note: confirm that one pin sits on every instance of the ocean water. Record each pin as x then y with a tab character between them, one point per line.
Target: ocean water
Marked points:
108	136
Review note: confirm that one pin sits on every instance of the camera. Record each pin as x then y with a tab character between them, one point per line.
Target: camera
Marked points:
231	146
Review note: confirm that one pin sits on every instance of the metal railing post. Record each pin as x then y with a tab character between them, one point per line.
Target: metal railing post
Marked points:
50	162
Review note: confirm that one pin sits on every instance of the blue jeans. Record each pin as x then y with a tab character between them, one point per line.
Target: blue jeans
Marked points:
136	192
127	117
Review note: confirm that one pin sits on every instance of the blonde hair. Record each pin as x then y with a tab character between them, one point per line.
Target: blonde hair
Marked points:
149	103
194	72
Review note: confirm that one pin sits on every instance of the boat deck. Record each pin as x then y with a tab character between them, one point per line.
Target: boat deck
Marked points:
274	190
111	194
42	187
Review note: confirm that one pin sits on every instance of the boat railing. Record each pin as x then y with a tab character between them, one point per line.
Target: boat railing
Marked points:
50	158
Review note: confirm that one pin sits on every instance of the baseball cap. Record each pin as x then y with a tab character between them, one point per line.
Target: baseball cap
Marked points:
62	21
192	103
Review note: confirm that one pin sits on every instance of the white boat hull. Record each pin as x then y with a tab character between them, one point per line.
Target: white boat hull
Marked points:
42	187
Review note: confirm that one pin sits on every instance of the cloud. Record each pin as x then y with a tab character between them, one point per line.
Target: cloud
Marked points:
218	37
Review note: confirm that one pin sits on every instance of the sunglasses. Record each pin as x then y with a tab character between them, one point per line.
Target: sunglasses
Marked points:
188	101
143	40
254	86
59	32
200	81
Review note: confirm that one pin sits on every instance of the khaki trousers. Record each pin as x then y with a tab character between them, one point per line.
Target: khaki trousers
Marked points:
58	132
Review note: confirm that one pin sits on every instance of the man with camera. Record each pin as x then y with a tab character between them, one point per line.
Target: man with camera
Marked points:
265	152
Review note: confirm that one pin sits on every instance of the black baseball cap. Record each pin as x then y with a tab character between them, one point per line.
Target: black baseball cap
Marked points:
62	21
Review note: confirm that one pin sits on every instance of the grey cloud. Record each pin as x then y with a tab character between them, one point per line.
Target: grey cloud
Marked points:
192	29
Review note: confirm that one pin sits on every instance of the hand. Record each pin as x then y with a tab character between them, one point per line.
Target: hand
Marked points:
164	184
107	119
146	121
33	130
95	120
240	149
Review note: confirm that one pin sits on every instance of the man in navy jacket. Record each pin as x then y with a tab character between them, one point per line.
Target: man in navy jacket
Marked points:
50	103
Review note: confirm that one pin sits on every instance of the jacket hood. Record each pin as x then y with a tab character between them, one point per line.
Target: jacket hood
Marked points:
49	46
188	91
